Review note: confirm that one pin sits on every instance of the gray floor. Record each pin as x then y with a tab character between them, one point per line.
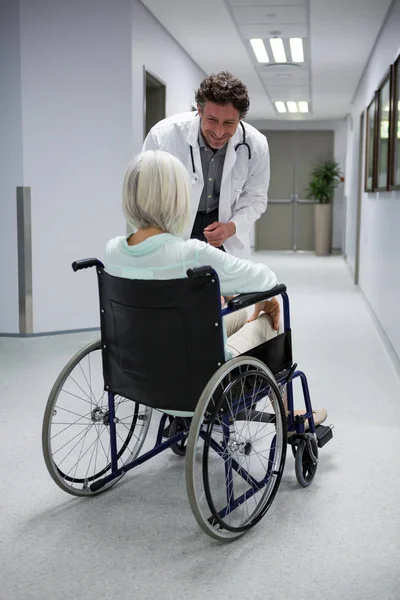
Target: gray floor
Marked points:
339	538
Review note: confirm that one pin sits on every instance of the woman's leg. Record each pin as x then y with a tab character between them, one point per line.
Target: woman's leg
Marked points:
250	335
235	321
255	333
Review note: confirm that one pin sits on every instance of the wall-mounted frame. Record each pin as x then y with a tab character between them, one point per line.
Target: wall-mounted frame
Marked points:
394	175
371	146
384	132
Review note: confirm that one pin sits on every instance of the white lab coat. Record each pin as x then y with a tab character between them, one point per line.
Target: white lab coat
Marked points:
244	186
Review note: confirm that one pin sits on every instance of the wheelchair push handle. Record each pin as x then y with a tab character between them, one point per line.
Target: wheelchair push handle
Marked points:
244	300
85	263
205	271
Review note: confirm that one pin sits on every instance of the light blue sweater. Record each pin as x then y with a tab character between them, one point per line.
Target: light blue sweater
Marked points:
166	256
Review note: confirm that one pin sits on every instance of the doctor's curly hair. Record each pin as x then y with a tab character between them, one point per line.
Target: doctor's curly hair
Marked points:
224	88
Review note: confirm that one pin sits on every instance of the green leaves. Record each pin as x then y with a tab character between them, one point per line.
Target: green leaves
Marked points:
325	177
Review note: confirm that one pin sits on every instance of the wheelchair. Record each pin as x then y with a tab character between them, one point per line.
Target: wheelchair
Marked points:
162	350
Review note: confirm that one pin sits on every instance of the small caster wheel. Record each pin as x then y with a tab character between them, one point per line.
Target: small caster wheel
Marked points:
176	426
306	456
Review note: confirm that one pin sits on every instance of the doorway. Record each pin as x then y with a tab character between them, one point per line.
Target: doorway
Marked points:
154	100
288	223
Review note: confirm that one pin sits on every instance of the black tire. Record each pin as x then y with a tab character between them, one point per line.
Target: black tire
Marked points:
306	460
178	424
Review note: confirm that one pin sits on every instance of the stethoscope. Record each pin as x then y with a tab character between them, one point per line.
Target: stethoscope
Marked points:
195	177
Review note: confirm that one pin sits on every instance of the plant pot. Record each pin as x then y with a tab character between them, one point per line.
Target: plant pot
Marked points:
323	228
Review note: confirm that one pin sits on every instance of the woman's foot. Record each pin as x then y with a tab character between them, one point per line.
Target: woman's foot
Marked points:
320	415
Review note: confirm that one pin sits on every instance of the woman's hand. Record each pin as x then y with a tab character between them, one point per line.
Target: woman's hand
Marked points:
225	299
271	308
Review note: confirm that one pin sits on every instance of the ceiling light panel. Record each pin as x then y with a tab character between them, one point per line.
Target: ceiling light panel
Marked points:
296	50
292	107
303	106
278	50
280	106
259	50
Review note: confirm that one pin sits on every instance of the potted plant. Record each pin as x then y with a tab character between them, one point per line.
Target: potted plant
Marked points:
325	177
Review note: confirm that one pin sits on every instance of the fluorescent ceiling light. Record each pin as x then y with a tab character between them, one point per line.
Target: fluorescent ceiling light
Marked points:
292	107
296	49
278	50
280	107
303	107
259	50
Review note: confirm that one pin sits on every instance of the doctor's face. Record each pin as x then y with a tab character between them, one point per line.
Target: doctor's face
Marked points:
218	123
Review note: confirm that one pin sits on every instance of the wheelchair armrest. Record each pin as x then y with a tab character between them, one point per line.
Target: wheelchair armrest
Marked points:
85	263
244	300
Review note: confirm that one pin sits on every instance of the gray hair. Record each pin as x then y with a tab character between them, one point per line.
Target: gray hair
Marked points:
156	192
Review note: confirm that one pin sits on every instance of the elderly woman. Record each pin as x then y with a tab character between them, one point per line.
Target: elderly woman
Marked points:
156	203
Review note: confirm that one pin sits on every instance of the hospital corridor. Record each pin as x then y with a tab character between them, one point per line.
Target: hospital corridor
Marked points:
199	299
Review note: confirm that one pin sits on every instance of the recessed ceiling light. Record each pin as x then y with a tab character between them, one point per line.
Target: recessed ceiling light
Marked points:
278	50
292	107
303	107
280	106
259	50
296	49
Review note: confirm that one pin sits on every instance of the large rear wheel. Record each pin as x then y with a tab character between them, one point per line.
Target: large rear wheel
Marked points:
75	433
236	449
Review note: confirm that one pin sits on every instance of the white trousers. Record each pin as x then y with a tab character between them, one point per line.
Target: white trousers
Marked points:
243	336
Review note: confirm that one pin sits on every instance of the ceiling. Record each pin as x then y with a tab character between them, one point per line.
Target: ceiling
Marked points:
338	37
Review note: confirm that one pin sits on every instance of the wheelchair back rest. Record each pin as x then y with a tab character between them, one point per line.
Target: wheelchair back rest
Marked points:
161	340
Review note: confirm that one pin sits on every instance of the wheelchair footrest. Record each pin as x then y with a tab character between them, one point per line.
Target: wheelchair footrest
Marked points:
324	434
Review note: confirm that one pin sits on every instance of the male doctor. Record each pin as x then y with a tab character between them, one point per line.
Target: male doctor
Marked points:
227	159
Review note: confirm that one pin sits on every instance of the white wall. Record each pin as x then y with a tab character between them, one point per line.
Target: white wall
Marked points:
10	162
379	276
81	99
154	48
339	128
77	140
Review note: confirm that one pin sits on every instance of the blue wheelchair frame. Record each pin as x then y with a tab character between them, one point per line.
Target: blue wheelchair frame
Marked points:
287	379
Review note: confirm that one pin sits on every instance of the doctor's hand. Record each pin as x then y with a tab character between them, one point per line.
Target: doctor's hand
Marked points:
271	308
217	233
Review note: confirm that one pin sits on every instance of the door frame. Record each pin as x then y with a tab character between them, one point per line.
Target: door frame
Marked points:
146	72
359	197
296	198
